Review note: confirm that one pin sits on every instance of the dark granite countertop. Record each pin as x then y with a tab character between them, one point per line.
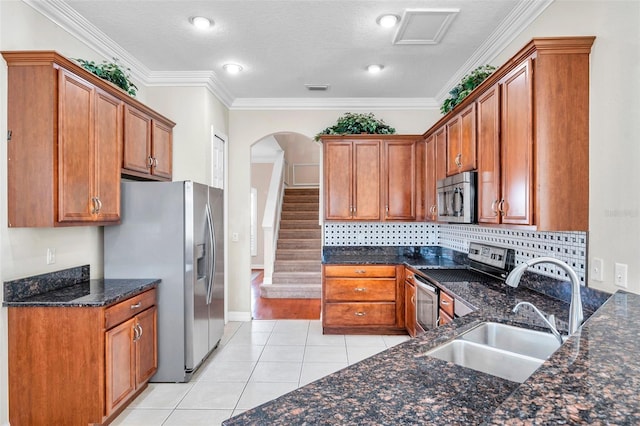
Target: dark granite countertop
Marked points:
592	378
72	288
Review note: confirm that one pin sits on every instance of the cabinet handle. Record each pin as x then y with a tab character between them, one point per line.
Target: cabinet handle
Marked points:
444	303
99	205
413	300
360	314
149	162
155	162
136	306
386	209
494	207
95	205
501	208
459	160
360	271
140	333
360	289
136	335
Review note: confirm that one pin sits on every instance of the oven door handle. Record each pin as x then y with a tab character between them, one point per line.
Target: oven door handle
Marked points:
424	285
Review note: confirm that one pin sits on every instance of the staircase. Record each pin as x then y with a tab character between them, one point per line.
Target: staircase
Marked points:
297	269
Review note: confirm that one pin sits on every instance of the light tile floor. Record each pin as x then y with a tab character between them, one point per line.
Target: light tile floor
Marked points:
255	362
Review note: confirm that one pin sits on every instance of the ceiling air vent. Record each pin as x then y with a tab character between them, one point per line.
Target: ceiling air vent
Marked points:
317	87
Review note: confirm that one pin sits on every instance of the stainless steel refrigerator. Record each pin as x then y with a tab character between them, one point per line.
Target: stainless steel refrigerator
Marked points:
174	231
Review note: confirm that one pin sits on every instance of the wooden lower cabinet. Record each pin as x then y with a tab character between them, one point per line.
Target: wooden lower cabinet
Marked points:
410	320
79	365
363	299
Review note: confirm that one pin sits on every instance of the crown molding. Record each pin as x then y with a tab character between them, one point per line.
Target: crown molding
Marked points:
206	79
334	103
517	21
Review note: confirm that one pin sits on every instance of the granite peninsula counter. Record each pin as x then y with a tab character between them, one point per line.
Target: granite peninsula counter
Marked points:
592	379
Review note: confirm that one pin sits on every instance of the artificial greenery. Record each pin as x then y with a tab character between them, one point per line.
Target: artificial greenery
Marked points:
354	124
113	72
466	85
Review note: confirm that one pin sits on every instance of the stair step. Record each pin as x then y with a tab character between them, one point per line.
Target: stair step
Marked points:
305	207
299	224
302	191
290	291
299	215
299	254
299	234
300	199
299	244
302	278
297	266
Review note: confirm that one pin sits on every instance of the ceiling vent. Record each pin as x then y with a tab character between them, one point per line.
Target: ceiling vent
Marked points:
317	87
424	26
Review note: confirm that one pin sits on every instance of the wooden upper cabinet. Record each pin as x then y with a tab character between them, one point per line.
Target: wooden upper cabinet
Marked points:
366	180
461	141
431	208
352	179
147	146
489	182
66	129
400	180
517	146
440	139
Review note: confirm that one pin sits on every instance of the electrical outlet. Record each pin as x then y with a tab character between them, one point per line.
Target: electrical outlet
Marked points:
235	237
597	269
51	256
620	275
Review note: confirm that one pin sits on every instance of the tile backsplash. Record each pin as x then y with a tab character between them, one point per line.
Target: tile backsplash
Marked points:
570	247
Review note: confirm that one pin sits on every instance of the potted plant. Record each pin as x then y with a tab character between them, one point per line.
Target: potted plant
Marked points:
112	72
354	124
466	86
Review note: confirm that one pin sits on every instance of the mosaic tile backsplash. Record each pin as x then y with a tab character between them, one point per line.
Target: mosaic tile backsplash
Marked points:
570	247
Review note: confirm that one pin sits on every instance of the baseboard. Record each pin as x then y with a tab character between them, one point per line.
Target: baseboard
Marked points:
257	266
238	316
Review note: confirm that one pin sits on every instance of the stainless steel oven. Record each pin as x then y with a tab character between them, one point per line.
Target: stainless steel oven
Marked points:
426	303
457	198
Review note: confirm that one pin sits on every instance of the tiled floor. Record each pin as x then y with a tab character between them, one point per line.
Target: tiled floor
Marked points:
256	361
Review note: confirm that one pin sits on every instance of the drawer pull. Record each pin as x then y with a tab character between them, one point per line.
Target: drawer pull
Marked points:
136	306
444	302
360	314
360	289
360	271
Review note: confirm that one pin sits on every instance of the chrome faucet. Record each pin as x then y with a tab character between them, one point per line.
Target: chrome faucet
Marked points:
551	322
575	308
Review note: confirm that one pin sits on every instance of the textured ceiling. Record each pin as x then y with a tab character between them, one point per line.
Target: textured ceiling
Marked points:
284	45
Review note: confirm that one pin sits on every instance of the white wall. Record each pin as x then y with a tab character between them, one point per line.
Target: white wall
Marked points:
246	128
614	205
260	179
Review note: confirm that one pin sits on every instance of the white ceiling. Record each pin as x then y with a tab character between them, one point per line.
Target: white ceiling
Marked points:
285	44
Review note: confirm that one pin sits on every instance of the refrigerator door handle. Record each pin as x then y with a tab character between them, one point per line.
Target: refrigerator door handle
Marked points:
212	254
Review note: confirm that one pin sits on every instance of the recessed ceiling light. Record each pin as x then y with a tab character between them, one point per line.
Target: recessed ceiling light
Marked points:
375	68
387	21
232	68
200	22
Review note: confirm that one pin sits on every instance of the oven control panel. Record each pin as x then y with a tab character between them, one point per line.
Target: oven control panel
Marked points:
488	255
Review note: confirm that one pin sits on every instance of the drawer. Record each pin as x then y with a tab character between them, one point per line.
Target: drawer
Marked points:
444	318
126	309
360	290
446	303
359	271
354	314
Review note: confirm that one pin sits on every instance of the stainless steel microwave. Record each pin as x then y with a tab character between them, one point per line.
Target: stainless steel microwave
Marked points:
457	198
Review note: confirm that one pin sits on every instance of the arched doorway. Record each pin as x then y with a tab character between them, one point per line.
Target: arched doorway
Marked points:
285	237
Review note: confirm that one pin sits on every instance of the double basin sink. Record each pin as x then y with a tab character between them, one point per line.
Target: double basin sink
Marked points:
502	350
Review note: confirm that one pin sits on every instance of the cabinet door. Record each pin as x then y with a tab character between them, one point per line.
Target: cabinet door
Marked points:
338	178
108	140
468	139
517	145
431	209
366	180
120	364
75	148
162	136
146	345
454	133
136	154
441	153
489	156
400	182
410	308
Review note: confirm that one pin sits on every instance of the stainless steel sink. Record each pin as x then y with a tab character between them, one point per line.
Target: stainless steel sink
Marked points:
501	350
522	341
